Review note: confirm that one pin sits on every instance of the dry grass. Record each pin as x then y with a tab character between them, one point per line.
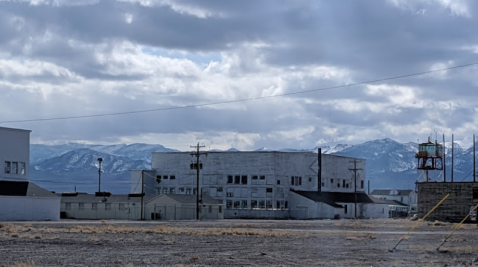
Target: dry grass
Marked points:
194	257
438	223
21	264
360	237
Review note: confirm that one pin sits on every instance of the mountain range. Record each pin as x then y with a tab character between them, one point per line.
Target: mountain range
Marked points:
74	167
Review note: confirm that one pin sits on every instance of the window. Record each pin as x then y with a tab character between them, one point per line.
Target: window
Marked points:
67	206
165	190
21	168
165	177
244	204
292	180
81	206
237	204
343	183
278	181
158	179
269	190
345	209
188	191
300	180
361	184
107	206
253	204
228	204
310	179
122	206
210	209
269	204
331	181
229	194
338	185
14	167
254	177
220	209
229	179
244	179
286	204
262	204
296	180
7	167
262	177
194	166
237	179
172	190
322	184
181	190
219	189
94	206
278	204
172	177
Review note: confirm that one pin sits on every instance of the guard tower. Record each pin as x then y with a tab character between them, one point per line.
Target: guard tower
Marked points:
430	157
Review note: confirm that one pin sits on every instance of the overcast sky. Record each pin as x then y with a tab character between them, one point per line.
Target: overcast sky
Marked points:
62	58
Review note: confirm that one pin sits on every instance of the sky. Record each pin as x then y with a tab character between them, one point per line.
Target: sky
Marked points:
243	74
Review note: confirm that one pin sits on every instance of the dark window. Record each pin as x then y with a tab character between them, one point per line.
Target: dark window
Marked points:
322	184
220	209
229	194
237	204
278	181
278	205
310	179
229	179
244	179
254	177
244	204
172	177
253	204
343	183
165	177
300	180
194	166
345	209
269	204
158	179
237	179
286	205
292	180
338	185
331	181
219	189
269	190
228	204
262	177
361	184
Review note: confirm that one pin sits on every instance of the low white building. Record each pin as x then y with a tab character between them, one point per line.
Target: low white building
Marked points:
262	184
403	202
128	207
21	199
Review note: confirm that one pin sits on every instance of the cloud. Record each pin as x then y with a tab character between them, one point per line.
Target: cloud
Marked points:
73	58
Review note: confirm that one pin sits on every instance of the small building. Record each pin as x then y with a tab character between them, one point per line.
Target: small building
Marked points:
21	199
322	205
403	202
128	207
26	201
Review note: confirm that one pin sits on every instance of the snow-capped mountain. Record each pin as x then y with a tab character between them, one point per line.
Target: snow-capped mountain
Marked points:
390	164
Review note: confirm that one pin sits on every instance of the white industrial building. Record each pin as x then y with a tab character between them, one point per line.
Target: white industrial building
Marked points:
133	207
21	199
302	185
402	202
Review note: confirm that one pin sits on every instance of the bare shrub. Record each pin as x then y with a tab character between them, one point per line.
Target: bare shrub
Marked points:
14	235
194	257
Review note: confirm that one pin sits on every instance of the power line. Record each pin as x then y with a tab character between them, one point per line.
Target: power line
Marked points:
244	99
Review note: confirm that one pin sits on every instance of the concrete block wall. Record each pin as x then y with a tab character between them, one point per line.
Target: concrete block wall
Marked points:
455	208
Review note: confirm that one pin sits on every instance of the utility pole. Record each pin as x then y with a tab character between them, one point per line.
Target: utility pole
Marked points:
197	154
474	163
142	194
99	174
355	184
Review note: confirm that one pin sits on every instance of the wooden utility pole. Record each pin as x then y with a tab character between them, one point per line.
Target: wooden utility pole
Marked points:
355	184
197	154
142	194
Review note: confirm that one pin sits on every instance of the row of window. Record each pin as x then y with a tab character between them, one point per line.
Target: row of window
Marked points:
165	177
14	167
256	204
181	190
94	206
242	179
344	183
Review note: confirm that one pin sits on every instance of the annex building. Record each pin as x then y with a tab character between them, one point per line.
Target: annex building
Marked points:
20	199
266	184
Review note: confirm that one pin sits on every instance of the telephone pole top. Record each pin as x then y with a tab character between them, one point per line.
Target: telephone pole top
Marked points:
197	166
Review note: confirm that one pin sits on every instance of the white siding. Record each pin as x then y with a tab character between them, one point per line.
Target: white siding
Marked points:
14	148
29	208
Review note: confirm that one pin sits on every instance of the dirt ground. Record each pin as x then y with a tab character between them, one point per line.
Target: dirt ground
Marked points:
236	243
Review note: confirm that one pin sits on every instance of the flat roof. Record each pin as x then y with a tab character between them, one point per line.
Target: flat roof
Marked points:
14	129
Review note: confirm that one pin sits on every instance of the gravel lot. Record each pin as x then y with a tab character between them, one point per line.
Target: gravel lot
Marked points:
236	243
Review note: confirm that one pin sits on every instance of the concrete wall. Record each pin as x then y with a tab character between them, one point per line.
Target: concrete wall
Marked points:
15	149
14	208
455	207
263	178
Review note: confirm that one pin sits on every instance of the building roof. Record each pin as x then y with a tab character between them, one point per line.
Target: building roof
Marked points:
23	189
14	129
395	203
332	198
391	192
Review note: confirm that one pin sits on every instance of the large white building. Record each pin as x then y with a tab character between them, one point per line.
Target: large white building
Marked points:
20	199
266	184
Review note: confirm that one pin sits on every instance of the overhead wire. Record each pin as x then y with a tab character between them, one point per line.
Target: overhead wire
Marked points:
244	99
